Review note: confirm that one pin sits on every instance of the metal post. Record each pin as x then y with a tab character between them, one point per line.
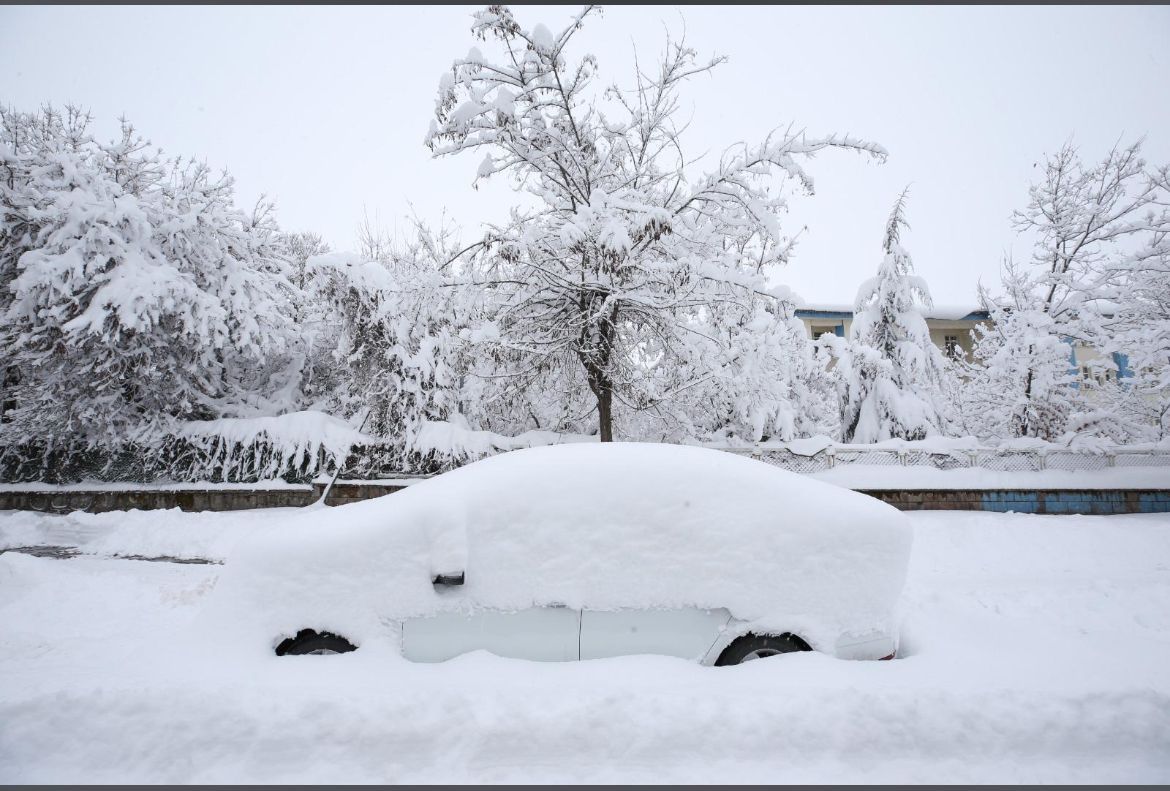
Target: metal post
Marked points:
341	462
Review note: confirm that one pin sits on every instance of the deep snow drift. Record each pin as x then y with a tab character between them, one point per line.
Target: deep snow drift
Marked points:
1036	649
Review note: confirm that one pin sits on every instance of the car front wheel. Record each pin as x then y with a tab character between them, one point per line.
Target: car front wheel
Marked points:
760	646
308	641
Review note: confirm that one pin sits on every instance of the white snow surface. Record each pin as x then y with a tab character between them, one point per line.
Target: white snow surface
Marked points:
1035	649
872	476
590	525
156	486
452	439
295	434
945	312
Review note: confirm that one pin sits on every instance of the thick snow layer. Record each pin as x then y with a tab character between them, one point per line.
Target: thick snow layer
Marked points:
808	446
1035	650
943	312
295	435
130	486
868	476
452	439
597	526
209	535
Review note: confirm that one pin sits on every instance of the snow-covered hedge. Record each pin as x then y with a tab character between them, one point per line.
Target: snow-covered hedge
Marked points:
294	447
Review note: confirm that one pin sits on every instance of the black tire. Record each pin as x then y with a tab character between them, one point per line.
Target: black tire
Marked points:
759	646
308	641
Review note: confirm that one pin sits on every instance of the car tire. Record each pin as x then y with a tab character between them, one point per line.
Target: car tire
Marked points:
759	646
308	641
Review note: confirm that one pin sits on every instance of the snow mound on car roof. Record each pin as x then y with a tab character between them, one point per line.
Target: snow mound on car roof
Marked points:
598	526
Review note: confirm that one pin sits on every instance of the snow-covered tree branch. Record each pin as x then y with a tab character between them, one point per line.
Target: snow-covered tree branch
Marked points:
630	259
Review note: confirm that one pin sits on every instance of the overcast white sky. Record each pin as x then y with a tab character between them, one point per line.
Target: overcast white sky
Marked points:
325	108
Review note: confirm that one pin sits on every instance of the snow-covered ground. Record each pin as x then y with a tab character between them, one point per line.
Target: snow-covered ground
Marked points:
1035	649
872	476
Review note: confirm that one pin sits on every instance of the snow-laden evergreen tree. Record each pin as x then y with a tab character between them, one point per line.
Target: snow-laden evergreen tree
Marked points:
606	287
1089	224
235	257
108	336
890	371
135	295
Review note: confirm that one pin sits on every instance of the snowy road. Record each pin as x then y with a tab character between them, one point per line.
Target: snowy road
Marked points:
1035	649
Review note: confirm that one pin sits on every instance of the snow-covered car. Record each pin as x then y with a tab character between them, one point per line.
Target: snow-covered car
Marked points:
580	551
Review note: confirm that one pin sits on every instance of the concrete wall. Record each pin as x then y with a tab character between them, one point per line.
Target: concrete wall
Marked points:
1089	501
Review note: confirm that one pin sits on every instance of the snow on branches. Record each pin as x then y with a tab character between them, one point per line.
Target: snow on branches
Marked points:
890	372
1099	234
630	264
134	294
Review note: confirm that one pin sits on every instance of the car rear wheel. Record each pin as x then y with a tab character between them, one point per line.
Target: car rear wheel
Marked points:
760	646
308	641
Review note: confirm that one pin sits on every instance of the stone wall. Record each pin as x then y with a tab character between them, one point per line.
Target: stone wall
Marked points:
1087	501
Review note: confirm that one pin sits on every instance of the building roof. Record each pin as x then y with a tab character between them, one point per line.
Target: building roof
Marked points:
830	310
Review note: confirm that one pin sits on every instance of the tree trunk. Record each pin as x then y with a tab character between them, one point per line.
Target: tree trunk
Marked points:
595	353
605	414
1024	426
602	390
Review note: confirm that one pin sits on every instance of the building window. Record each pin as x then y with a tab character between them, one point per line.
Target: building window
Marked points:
952	347
1095	377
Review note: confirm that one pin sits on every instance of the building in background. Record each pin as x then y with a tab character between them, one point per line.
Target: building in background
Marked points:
950	326
950	329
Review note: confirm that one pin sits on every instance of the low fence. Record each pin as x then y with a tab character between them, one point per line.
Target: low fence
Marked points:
994	459
1029	501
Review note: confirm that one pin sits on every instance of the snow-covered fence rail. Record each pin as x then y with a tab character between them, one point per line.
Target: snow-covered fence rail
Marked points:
801	459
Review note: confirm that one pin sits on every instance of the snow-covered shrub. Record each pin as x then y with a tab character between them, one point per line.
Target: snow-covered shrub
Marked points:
1022	374
750	377
398	341
135	295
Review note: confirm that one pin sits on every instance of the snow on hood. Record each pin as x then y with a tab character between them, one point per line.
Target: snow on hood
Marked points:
591	525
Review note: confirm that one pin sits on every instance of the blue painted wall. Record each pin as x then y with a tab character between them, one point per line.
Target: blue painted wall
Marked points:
1098	501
